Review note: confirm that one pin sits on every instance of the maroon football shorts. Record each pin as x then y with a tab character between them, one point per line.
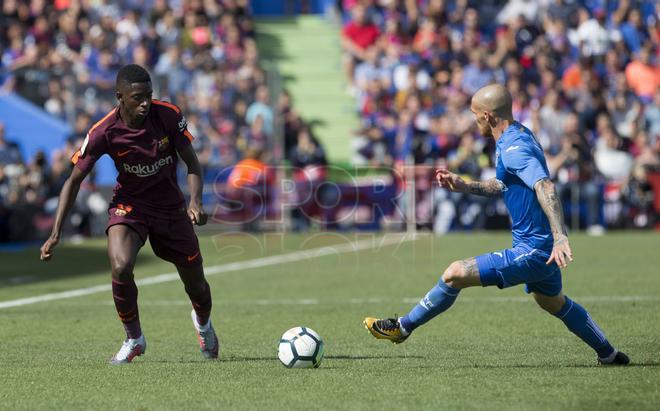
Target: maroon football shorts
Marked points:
172	237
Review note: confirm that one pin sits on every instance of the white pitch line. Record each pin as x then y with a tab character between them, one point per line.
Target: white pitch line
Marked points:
223	268
406	300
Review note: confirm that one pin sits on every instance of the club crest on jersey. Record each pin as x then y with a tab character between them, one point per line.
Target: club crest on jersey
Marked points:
122	210
163	143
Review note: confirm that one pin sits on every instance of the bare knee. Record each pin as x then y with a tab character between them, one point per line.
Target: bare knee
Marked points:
123	246
455	275
122	267
550	304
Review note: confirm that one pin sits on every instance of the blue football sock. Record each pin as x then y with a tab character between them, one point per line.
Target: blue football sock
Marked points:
437	300
578	320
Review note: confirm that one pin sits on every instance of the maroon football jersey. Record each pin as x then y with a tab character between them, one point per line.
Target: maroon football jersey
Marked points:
146	158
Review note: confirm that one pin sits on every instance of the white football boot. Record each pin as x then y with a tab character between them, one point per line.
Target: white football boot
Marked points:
131	348
208	340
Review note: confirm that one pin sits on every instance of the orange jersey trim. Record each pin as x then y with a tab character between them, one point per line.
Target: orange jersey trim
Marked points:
75	157
77	154
187	134
166	104
98	123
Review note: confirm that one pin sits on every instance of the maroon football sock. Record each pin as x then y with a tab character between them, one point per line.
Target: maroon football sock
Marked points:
125	294
202	304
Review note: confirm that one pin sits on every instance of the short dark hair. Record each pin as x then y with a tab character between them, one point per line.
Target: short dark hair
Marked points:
132	73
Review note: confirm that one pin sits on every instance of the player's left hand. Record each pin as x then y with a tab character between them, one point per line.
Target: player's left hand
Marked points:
197	214
47	249
561	253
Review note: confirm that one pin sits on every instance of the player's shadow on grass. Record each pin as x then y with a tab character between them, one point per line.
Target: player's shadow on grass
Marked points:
24	267
370	357
327	357
248	359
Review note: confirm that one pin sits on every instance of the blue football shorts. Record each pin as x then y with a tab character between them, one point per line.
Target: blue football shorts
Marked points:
520	265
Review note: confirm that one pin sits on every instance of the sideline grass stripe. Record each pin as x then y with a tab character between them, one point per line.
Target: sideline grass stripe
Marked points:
222	268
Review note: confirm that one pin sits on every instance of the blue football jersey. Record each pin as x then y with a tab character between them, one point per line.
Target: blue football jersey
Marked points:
519	165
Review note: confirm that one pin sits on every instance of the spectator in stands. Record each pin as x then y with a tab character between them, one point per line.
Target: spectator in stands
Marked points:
592	37
611	160
260	108
10	153
644	153
638	199
309	173
5	211
652	119
419	65
615	165
202	55
552	118
633	31
566	64
571	165
357	36
643	77
248	187
476	74
460	209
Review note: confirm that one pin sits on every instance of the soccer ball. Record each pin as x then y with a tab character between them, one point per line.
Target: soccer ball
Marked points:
300	347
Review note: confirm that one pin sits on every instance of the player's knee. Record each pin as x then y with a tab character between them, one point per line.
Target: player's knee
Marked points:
550	304
193	280
122	268
195	288
455	274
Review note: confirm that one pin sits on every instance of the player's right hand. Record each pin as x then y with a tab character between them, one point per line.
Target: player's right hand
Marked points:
47	248
450	181
561	253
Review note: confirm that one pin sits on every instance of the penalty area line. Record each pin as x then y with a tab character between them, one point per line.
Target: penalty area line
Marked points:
367	244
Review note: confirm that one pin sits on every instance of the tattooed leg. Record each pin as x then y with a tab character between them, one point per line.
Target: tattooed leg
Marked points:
462	274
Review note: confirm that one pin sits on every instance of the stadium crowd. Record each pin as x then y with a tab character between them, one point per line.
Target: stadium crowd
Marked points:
584	76
29	190
64	56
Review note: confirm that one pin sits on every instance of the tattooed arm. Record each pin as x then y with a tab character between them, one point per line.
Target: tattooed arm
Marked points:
549	201
488	188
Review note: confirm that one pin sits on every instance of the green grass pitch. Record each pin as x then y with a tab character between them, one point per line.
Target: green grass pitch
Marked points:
494	349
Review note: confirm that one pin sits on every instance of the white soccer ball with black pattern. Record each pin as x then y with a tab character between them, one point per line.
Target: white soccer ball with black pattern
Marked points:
300	347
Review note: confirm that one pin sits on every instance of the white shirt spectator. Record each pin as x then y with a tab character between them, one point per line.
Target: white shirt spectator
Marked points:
593	37
514	8
401	78
613	164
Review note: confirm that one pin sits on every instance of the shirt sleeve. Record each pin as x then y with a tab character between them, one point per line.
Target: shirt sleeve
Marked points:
182	137
92	148
522	161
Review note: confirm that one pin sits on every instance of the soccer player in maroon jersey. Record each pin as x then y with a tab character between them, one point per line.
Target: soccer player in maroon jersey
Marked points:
145	137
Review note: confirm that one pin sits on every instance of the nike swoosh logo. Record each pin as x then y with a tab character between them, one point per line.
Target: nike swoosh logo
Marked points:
123	153
192	257
512	148
379	331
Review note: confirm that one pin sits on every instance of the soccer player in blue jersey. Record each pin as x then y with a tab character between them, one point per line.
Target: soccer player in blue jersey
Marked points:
540	242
